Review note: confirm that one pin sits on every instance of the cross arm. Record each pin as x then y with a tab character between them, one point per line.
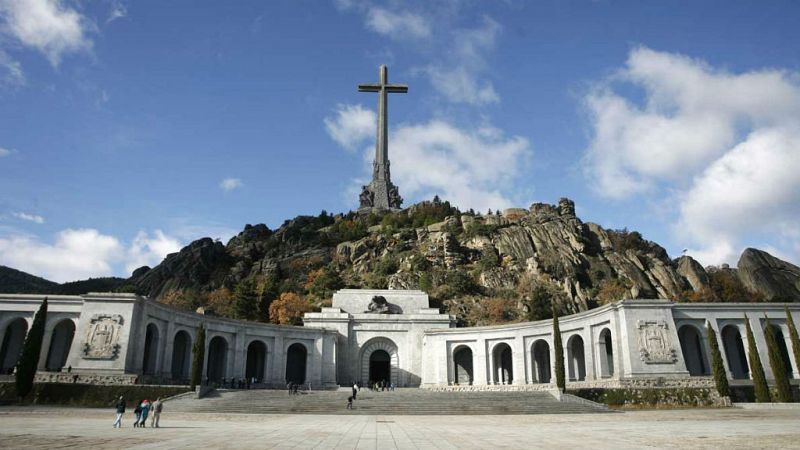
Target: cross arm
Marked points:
369	88
402	88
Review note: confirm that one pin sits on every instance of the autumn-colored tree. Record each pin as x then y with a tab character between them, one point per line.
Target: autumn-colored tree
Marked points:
323	282
288	309
613	289
220	302
176	299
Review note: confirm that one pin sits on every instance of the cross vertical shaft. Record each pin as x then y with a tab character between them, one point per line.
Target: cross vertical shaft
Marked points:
381	193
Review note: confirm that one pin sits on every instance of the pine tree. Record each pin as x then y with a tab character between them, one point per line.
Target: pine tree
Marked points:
244	300
559	352
756	369
31	349
198	356
777	364
793	337
717	366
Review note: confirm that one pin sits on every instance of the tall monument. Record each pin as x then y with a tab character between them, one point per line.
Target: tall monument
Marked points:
381	193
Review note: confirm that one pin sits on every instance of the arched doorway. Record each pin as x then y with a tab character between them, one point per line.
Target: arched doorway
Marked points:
541	361
296	363
782	349
380	369
181	355
734	352
150	350
462	362
503	364
369	363
256	361
694	354
606	354
13	338
60	343
576	358
217	359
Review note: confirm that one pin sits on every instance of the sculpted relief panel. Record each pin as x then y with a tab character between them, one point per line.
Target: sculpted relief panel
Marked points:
102	339
655	345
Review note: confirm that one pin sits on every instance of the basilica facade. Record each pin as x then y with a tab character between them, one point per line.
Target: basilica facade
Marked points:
392	336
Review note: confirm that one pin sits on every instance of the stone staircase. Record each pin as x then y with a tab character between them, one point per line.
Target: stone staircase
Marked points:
408	401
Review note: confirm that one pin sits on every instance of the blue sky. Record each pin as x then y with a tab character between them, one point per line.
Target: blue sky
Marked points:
128	129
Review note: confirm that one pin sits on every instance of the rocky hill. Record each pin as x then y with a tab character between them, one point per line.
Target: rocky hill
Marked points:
517	261
485	268
15	281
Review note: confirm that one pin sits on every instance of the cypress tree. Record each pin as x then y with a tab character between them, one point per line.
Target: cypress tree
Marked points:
793	337
244	300
31	349
717	366
559	352
756	369
198	356
777	364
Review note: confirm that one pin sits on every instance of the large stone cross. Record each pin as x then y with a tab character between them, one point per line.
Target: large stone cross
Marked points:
381	193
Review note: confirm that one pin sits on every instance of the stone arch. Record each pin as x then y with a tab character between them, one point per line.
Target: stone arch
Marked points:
217	367
540	356
60	343
734	352
694	352
181	355
256	364
782	348
503	358
576	358
389	348
150	358
462	365
606	348
296	360
13	338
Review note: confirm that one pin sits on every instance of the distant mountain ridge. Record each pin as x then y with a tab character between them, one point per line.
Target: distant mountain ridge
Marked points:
517	262
13	281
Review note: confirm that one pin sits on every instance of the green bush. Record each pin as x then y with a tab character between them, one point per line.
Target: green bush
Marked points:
756	369
782	386
31	350
717	366
198	356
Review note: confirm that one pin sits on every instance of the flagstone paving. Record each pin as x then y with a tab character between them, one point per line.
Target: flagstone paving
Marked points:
47	427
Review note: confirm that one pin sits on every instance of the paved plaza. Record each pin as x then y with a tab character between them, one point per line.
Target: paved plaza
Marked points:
41	427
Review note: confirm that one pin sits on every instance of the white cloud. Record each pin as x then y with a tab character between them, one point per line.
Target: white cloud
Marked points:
229	184
460	85
351	125
76	254
724	147
149	250
29	217
46	25
397	24
473	168
118	11
82	253
11	74
5	152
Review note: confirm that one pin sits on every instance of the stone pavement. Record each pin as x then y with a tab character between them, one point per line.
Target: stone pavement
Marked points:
45	427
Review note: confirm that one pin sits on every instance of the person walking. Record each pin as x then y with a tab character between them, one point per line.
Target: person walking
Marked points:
137	411
145	411
350	402
355	391
157	406
120	411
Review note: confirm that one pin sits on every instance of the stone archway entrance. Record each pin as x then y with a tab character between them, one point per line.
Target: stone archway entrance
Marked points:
380	369
60	343
462	359
379	362
13	338
296	363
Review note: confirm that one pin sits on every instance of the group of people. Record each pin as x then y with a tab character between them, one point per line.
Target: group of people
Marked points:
292	387
381	386
241	383
143	409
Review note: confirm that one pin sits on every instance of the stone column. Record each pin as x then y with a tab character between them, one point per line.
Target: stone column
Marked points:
48	336
480	364
240	354
278	376
518	361
165	353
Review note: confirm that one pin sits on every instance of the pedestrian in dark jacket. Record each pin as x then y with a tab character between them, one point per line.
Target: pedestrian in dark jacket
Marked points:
120	411
138	413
